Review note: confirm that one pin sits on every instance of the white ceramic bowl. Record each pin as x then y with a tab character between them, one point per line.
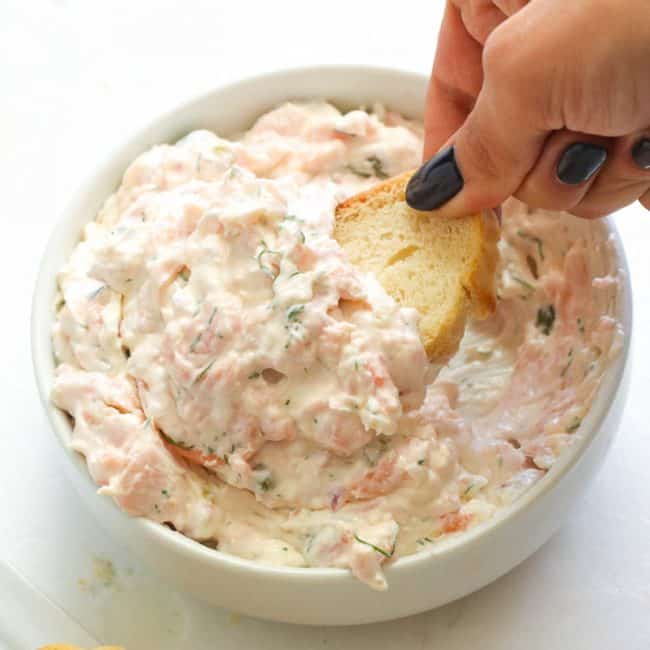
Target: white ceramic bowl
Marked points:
448	570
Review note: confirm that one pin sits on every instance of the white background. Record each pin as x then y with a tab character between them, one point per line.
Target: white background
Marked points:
76	77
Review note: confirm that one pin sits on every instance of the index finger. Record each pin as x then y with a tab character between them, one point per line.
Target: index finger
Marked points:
455	82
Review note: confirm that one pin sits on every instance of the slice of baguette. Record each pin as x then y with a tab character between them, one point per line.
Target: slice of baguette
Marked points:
444	268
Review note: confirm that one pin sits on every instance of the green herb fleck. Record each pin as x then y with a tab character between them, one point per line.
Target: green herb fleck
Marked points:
266	251
176	443
203	372
374	167
545	319
523	283
254	375
421	461
293	313
468	489
195	341
535	240
568	363
165	493
358	172
581	324
376	548
264	478
377	167
184	273
96	292
574	424
266	484
287	402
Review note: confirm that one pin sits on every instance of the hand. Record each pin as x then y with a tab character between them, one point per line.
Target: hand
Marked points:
547	100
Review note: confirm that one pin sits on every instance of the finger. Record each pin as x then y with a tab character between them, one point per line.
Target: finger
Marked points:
480	17
624	178
455	82
645	200
510	7
489	158
565	170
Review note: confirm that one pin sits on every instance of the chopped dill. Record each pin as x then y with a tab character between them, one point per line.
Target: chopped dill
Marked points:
568	363
574	424
203	372
535	240
293	313
523	283
375	548
545	319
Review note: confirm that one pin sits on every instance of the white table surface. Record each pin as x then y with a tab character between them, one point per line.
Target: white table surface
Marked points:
77	75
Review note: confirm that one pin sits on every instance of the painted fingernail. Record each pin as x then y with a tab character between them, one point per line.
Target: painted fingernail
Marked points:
437	181
579	162
641	153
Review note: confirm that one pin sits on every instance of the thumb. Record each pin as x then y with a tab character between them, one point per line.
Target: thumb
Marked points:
488	158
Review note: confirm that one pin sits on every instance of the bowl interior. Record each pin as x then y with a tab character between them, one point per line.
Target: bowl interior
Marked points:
227	111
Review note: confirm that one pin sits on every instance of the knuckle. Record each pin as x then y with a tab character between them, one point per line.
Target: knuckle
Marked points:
478	156
497	55
516	69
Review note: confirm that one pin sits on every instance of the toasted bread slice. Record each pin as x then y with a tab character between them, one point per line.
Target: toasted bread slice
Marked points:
445	268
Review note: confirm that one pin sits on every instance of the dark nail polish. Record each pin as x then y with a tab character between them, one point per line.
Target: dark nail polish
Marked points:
579	162
437	181
641	153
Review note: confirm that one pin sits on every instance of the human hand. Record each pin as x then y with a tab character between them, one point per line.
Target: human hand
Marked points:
546	100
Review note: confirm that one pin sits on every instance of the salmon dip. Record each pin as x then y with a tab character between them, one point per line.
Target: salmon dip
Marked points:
230	374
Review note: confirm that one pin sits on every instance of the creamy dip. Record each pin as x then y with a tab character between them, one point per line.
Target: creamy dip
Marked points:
231	374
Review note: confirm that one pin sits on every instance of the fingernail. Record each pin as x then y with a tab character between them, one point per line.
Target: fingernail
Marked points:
437	181
641	153
579	162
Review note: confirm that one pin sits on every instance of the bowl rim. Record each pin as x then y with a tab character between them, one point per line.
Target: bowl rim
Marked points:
41	347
